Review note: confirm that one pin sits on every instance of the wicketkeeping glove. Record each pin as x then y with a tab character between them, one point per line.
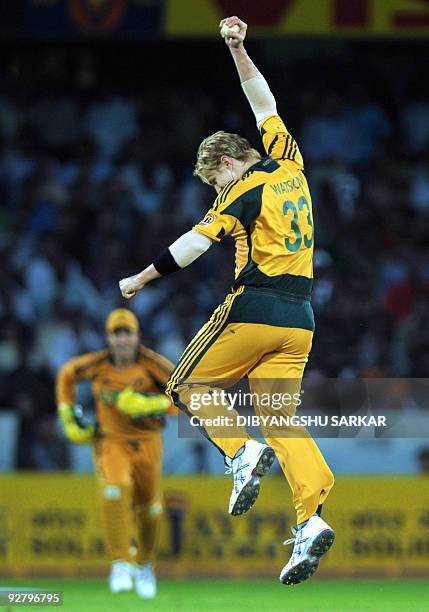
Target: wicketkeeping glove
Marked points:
138	405
76	427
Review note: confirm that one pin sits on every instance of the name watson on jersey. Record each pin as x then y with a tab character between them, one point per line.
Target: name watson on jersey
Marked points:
287	186
288	421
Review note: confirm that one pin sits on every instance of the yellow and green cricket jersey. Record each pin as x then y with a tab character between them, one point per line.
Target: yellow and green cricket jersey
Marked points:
268	212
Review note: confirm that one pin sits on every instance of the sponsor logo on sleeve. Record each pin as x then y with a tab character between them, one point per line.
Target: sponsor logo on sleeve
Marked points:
208	219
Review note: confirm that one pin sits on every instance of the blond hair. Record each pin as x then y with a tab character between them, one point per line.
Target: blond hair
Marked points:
215	146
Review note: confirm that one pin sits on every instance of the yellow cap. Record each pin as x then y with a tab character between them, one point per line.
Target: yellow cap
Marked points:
122	317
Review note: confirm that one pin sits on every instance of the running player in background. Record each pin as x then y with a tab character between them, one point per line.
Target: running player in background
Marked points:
264	328
128	382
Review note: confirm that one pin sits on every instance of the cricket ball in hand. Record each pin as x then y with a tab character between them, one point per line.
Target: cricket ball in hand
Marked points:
226	30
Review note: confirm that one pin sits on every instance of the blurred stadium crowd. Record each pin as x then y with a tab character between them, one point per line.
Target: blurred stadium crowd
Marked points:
96	178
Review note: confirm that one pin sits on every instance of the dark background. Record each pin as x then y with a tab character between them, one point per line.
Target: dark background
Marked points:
98	141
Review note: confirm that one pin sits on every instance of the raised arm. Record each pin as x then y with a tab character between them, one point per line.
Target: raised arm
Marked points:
194	243
254	85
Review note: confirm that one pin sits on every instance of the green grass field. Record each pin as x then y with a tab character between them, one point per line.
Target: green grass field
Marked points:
236	596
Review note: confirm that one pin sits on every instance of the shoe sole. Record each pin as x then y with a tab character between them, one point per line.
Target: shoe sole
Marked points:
304	570
250	491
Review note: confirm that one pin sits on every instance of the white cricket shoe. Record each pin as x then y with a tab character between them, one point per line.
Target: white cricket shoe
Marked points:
145	581
311	542
251	462
121	576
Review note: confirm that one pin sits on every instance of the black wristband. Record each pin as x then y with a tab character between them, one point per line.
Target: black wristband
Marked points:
165	263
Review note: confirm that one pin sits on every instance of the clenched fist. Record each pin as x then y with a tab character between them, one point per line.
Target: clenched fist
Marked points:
131	285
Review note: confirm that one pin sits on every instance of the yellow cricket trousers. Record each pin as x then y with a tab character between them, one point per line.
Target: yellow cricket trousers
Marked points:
267	336
129	478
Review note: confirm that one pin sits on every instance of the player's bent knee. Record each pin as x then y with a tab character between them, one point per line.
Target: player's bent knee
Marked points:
155	509
113	491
